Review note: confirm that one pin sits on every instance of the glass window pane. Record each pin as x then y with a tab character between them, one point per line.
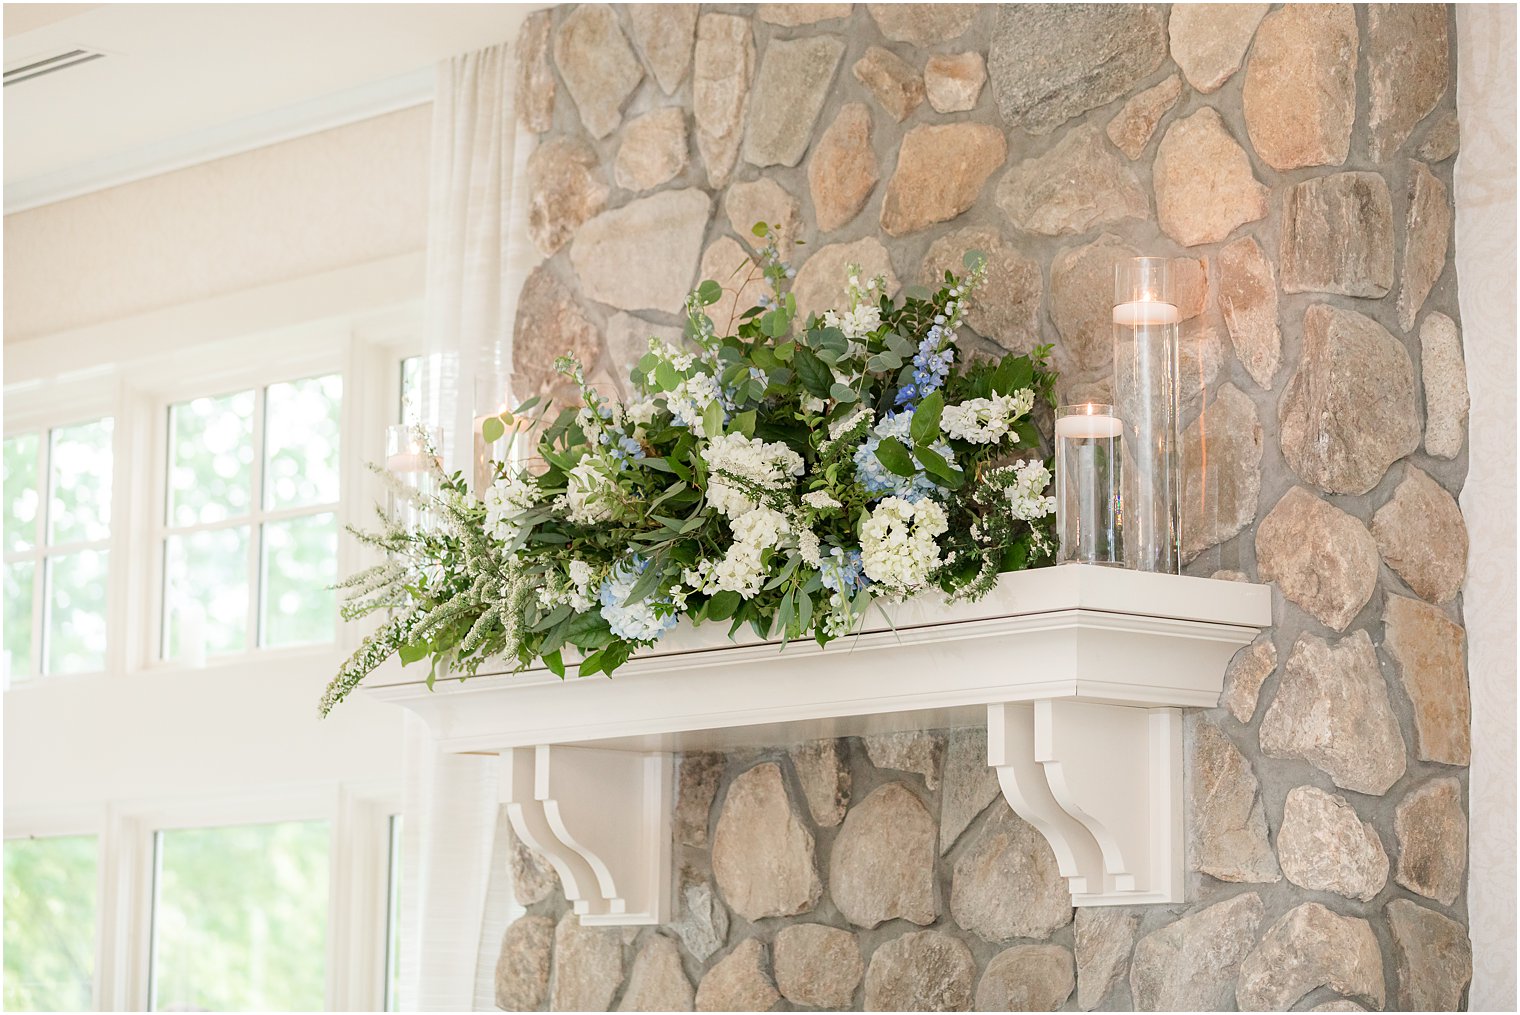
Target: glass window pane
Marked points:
240	918
20	520
20	584
210	459
76	612
411	390
301	442
49	923
300	565
206	593
79	458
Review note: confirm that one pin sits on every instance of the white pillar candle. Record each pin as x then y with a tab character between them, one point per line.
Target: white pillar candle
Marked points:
1089	425
1145	313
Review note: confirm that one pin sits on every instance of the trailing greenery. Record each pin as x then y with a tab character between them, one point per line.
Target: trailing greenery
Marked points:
783	474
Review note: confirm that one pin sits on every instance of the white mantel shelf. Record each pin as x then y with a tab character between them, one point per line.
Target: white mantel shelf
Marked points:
1079	672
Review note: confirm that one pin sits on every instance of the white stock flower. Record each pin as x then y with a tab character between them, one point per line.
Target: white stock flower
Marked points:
986	420
897	543
1025	494
505	502
691	398
586	492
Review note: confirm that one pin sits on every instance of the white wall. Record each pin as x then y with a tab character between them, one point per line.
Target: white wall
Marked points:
1485	255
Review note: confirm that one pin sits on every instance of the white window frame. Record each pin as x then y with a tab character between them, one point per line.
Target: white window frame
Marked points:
258	380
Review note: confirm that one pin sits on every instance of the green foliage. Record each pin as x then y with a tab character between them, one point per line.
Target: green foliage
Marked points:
740	485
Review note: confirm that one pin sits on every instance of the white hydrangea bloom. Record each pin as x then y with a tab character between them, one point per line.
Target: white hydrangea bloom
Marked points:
586	492
771	465
641	411
897	543
741	569
986	420
579	593
813	404
1026	494
505	503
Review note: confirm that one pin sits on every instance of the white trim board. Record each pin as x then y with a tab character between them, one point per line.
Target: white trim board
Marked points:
260	130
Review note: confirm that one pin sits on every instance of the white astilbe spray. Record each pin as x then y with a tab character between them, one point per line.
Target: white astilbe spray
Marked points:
897	543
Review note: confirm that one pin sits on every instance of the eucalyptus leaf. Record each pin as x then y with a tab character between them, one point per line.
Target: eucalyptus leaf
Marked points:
492	429
843	393
709	292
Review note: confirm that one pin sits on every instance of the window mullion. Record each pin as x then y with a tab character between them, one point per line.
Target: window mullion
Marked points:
256	521
41	578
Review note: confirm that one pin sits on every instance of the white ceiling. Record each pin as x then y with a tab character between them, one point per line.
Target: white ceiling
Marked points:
185	82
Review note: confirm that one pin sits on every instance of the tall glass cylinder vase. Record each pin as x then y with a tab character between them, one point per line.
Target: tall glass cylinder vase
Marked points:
1089	476
1146	323
493	444
411	457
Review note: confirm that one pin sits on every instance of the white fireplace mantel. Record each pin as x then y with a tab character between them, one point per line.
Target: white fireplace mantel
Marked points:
1079	672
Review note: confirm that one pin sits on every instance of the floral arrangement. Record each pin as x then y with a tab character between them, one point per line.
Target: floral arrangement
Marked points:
779	476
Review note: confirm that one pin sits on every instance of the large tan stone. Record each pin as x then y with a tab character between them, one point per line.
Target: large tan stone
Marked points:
793	82
1190	964
1221	468
892	80
1332	710
1248	301
923	971
1204	184
597	65
1442	139
533	878
522	968
1131	128
1324	560
764	200
762	854
663	35
737	982
970	783
565	188
922	24
1104	939
1050	62
1027	978
1433	956
1426	231
1337	236
820	282
1249	669
1429	651
843	171
1324	846
1006	308
1349	410
817	966
1082	299
657	982
653	150
550	323
1209	41
793	15
1076	186
1006	883
722	65
1227	828
1432	831
823	770
941	169
588	966
1443	372
881	866
1300	89
953	81
1310	947
696	786
1407	67
1422	537
610	253
702	924
534	84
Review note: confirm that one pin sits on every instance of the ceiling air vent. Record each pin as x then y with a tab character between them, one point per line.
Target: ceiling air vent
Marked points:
36	68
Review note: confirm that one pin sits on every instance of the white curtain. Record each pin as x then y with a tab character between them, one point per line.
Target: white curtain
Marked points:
477	256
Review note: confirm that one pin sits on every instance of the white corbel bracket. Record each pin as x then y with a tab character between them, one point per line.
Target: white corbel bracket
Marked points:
1103	784
602	818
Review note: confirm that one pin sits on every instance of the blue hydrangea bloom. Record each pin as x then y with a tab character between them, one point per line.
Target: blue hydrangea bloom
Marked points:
633	621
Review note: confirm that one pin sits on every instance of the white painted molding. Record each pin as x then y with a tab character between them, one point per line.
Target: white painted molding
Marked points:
1080	673
322	113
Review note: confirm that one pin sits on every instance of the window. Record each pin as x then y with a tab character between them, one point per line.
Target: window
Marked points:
57	527
411	390
240	918
50	889
251	537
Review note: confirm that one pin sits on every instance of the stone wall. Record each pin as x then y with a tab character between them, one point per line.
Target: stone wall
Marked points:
1297	162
